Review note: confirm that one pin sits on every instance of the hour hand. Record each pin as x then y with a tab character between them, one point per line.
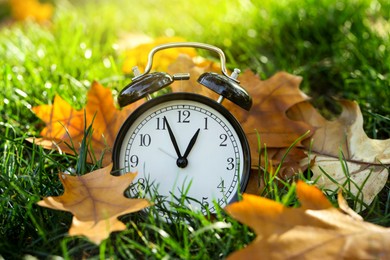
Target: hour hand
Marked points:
173	139
191	144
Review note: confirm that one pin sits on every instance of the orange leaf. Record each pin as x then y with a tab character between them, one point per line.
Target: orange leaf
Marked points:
314	231
31	9
311	198
65	125
96	200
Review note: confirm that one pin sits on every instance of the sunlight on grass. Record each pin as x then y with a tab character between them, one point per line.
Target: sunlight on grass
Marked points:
341	50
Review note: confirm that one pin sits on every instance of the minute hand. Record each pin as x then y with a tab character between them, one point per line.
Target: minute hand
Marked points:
173	139
191	144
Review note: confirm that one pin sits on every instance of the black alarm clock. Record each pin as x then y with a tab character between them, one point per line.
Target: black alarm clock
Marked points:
184	143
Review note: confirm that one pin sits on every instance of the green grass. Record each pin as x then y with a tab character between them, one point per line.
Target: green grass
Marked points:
341	49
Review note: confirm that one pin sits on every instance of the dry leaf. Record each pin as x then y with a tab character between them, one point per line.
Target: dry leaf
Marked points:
316	230
365	159
271	99
31	9
65	125
96	200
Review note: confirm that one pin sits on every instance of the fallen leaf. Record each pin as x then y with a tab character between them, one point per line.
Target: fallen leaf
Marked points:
31	9
342	150
65	125
316	230
267	117
96	200
138	55
344	207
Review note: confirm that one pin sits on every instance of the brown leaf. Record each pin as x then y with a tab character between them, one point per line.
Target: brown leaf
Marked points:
316	230
65	125
96	200
364	158
344	207
271	99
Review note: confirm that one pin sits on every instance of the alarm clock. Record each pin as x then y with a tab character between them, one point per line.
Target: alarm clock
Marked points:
184	144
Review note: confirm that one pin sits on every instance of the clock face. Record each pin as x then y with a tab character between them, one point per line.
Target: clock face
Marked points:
184	144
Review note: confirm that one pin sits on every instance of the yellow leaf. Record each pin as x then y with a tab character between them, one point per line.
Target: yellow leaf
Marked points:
31	9
96	200
138	56
314	231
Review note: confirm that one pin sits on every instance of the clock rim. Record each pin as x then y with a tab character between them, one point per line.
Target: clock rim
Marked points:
176	96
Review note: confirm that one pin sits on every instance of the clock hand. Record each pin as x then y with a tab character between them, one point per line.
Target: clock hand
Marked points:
191	144
167	153
182	161
173	139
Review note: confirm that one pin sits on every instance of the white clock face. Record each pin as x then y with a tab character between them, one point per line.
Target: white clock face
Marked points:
183	147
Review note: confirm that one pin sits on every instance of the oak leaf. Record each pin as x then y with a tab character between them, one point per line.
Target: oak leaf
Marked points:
96	200
316	230
341	154
65	125
267	118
